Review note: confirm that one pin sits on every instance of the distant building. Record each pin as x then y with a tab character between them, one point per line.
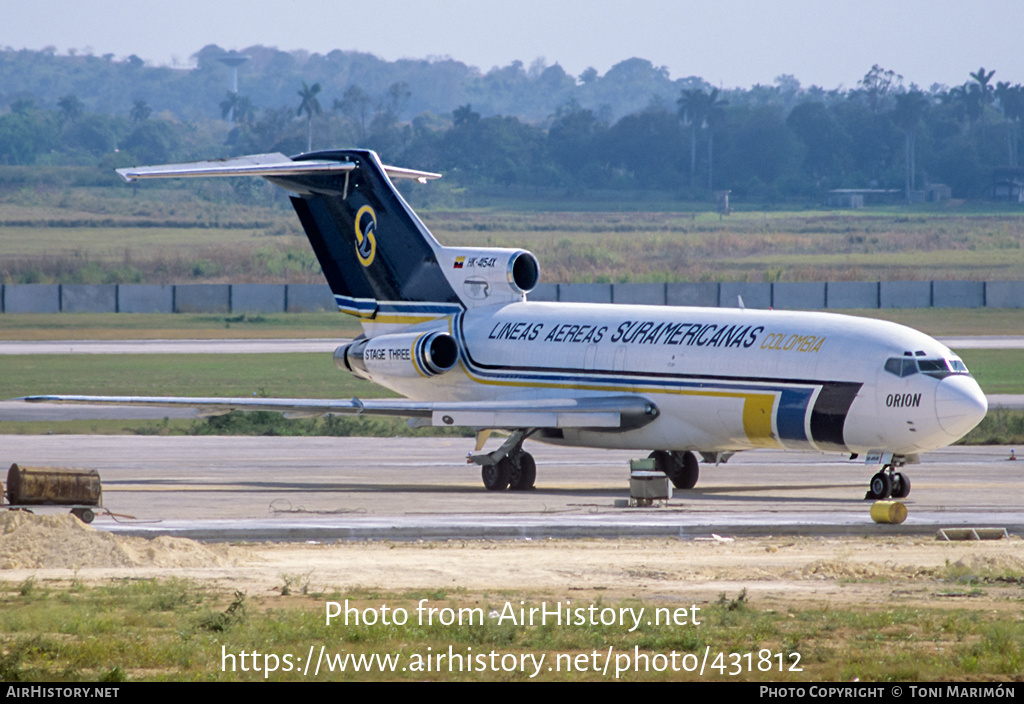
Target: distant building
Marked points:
937	192
932	193
722	202
1009	190
1008	184
853	198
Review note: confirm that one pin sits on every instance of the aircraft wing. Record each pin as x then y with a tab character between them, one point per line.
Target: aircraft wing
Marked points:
625	412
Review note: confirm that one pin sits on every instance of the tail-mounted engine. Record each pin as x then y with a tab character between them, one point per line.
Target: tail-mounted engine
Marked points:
408	354
485	276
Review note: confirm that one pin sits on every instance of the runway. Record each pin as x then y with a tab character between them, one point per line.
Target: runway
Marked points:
327	489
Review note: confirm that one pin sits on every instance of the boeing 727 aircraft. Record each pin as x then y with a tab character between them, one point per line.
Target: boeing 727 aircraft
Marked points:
452	330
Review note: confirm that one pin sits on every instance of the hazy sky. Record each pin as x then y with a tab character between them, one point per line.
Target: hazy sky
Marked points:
731	43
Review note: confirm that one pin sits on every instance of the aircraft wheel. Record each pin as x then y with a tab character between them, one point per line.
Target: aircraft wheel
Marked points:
900	486
880	486
663	462
686	471
496	476
523	472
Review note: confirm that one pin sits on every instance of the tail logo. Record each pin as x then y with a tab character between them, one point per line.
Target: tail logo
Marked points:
366	242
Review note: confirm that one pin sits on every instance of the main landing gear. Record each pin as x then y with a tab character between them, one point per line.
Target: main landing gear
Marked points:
516	472
889	483
680	467
508	467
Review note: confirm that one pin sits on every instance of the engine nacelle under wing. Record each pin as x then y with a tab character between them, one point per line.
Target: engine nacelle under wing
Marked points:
405	355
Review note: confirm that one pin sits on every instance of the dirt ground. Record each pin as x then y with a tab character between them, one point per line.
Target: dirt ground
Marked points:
805	571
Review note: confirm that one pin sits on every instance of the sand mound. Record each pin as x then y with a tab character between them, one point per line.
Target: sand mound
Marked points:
62	541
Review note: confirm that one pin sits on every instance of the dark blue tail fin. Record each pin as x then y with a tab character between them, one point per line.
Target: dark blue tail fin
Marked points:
370	244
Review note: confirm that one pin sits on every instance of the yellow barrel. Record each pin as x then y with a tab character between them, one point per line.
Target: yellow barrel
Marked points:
888	512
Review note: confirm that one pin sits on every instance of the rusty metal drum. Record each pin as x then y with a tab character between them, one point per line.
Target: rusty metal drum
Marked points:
53	486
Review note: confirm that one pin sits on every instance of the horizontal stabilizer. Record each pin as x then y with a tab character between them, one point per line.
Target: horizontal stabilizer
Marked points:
260	165
624	412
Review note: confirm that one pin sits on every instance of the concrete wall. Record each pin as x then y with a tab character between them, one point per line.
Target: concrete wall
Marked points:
639	294
1004	294
798	296
851	294
905	294
692	294
202	298
544	292
297	298
257	298
84	298
958	294
145	298
755	295
585	293
309	298
31	298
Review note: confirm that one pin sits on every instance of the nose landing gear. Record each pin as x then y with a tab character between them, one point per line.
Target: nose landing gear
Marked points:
889	483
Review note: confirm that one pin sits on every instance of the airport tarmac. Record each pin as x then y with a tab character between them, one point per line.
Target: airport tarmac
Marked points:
322	489
410	488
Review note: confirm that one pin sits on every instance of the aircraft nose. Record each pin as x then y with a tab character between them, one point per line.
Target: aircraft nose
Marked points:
960	404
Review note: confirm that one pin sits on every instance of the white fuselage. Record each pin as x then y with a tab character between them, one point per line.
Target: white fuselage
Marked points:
723	379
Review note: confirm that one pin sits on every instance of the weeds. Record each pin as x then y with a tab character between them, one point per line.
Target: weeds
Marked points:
737	604
27	588
221	621
290	580
269	423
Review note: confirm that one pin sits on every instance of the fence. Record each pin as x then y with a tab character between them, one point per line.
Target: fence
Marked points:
290	298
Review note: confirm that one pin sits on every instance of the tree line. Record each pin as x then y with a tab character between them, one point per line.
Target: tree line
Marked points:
684	137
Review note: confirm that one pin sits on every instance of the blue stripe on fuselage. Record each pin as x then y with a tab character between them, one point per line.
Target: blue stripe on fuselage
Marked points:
792	415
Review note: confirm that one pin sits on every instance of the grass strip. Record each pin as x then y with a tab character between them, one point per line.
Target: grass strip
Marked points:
290	375
178	630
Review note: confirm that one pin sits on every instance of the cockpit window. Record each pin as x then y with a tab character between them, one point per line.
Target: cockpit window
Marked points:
940	368
901	366
933	366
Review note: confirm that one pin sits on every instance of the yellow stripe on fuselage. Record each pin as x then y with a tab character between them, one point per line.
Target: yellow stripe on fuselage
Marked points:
402	319
757	406
757	419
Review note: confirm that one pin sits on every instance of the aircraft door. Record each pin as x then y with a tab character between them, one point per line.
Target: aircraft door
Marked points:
619	363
